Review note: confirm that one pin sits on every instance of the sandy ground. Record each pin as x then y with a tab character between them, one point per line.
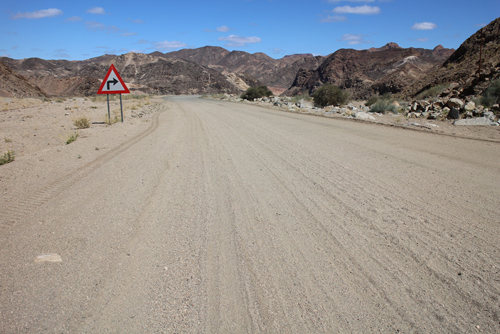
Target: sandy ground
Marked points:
216	217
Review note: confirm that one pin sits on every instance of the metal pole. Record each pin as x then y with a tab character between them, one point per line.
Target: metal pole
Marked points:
121	107
109	114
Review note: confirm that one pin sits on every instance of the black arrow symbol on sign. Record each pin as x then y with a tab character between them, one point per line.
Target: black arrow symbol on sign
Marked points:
114	82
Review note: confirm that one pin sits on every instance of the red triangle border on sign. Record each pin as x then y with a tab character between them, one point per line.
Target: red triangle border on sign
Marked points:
124	91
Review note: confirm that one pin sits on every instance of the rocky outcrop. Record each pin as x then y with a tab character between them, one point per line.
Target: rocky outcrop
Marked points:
13	84
368	72
472	66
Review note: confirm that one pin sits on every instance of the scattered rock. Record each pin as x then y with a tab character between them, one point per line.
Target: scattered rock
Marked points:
470	106
475	121
455	103
453	114
363	115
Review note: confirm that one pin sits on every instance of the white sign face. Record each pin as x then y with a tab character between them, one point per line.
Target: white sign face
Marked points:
112	83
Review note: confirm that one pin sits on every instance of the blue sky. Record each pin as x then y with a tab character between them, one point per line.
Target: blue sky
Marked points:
77	30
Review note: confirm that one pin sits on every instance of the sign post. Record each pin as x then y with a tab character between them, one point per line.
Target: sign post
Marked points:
113	84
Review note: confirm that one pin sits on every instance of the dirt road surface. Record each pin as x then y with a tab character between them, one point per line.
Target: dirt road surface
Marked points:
221	217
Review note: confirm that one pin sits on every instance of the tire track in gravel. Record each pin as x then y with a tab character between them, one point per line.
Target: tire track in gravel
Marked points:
357	184
22	207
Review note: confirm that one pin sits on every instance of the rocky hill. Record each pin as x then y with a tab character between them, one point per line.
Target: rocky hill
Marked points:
141	73
13	84
205	56
471	67
277	73
370	72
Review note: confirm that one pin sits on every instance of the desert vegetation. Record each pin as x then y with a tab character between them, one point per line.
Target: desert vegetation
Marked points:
82	122
7	157
491	95
330	95
72	137
253	93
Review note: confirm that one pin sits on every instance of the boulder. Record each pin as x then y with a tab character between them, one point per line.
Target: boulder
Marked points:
434	115
363	115
455	103
453	114
470	106
489	114
305	104
475	121
438	105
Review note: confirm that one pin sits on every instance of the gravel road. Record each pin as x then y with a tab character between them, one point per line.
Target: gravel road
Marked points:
222	217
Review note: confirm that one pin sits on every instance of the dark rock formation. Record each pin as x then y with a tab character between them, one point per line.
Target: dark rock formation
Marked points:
481	52
13	84
368	72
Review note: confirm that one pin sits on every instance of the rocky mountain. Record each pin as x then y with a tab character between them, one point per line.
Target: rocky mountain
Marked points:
141	73
470	68
205	56
274	73
370	72
13	84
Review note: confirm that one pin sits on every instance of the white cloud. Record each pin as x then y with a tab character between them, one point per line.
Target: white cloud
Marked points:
480	25
223	29
353	39
96	10
424	26
277	51
129	34
239	40
334	18
166	45
73	19
98	26
422	39
363	10
38	14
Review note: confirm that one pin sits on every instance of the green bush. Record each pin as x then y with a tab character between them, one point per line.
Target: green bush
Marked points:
72	138
253	93
491	95
9	156
371	101
328	95
383	106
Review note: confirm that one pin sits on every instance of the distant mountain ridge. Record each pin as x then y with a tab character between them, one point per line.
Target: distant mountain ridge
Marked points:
212	69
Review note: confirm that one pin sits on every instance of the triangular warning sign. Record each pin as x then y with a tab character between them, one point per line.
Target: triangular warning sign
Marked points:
113	83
